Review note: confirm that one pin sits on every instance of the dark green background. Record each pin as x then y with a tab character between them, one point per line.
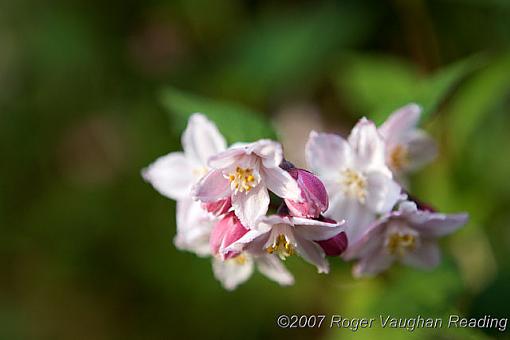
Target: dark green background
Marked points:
93	91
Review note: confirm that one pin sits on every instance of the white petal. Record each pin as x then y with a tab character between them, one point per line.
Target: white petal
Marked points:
382	192
201	139
194	227
253	241
427	255
373	264
400	122
357	216
212	187
273	268
282	184
269	151
314	230
250	206
226	158
327	154
312	253
232	273
171	175
368	146
437	224
421	149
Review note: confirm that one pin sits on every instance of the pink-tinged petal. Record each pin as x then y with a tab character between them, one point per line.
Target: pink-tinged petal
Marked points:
193	228
312	253
226	158
371	241
314	230
426	256
232	273
272	267
326	154
219	207
437	224
250	206
368	146
372	265
171	175
269	151
356	215
227	231
281	183
253	242
313	194
400	122
201	139
212	187
382	192
421	149
334	246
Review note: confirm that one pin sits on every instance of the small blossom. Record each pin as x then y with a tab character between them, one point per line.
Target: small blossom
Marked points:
354	172
236	270
407	147
285	236
334	246
245	173
408	236
173	175
314	197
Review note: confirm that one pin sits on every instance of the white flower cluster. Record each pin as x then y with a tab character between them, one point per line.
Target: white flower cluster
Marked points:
350	204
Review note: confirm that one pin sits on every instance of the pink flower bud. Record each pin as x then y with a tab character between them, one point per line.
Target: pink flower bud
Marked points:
228	230
335	245
314	195
219	207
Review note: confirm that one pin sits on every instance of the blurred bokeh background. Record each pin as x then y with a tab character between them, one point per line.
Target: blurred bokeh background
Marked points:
93	91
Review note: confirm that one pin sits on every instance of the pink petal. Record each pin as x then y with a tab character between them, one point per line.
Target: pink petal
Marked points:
427	255
368	146
212	187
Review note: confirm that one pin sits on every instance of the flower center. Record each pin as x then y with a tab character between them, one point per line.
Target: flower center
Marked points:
355	184
281	247
398	157
242	179
399	243
240	259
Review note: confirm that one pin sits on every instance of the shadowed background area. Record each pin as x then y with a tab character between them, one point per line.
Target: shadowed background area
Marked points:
93	91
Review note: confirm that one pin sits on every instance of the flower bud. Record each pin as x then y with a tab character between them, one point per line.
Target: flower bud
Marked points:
228	230
335	245
313	193
219	207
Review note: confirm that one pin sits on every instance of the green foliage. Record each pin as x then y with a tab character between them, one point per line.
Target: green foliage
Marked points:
377	85
236	122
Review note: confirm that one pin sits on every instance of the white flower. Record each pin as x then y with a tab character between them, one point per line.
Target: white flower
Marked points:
408	235
194	226
285	235
354	172
237	270
245	172
407	147
174	174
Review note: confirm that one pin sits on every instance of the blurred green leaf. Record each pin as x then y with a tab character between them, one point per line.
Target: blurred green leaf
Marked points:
377	85
288	49
236	122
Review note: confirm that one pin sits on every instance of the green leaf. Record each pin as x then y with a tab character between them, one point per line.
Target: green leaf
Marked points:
236	122
377	85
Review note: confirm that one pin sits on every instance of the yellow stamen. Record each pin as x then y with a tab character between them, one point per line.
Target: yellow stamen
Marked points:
282	247
400	243
242	179
398	158
354	184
